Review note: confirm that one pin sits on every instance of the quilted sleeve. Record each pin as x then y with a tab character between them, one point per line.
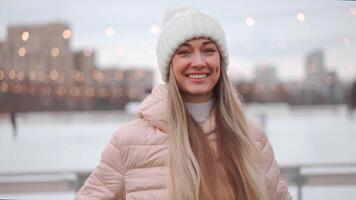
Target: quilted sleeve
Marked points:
106	182
276	187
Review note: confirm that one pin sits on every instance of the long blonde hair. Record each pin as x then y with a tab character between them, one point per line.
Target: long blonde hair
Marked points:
191	174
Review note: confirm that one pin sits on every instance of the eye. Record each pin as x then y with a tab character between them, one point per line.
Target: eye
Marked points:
209	50
183	52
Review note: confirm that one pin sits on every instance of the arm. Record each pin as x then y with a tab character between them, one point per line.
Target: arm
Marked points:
106	182
277	188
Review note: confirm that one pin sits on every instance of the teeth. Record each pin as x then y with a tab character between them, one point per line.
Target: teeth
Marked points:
197	75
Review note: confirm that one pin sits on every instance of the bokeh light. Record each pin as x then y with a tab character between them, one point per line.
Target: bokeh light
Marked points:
250	21
66	34
109	31
301	16
55	52
22	52
87	52
154	29
25	35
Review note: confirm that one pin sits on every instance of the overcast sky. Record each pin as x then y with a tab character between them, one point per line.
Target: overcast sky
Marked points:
277	37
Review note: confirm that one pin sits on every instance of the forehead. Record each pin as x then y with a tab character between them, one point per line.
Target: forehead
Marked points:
198	41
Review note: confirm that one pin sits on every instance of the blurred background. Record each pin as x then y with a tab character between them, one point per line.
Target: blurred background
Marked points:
72	72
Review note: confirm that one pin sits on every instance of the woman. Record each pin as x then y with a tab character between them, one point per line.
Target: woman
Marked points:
190	139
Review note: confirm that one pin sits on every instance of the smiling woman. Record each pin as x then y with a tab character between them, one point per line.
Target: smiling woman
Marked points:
191	139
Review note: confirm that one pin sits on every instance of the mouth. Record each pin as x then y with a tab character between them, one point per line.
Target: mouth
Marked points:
197	76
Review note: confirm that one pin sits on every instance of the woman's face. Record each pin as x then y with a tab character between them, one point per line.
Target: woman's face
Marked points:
196	68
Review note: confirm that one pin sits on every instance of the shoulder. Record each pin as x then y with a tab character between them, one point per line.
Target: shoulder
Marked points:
256	131
137	132
276	186
140	145
261	140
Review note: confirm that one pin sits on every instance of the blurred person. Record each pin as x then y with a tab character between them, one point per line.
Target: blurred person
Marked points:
13	123
352	102
190	139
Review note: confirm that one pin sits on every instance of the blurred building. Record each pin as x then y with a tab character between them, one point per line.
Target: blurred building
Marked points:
138	83
84	61
2	55
266	74
314	67
266	83
39	71
321	85
335	91
315	73
39	50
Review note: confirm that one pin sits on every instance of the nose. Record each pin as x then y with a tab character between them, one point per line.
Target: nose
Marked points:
198	60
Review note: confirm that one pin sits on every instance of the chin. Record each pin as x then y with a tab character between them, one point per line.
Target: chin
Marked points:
199	91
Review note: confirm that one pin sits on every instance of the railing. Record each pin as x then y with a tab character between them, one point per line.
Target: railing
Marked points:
326	174
52	181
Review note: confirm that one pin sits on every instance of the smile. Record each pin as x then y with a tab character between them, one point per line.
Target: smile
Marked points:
197	76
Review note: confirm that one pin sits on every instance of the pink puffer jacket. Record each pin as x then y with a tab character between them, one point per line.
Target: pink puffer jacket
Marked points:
133	164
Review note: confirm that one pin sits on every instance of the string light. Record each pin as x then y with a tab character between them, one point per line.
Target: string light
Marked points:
154	29
78	76
109	31
250	21
4	87
25	35
87	52
21	52
75	91
98	75
301	16
18	88
53	75
12	74
61	91
353	10
66	34
54	52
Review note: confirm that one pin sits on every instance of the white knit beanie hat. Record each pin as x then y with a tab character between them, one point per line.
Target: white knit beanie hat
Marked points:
182	24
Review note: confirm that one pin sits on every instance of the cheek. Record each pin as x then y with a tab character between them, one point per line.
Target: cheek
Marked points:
216	69
214	62
178	68
177	65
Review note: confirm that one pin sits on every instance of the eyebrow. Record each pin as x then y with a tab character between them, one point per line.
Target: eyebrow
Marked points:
204	43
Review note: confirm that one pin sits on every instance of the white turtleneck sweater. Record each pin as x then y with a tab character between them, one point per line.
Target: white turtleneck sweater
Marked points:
200	111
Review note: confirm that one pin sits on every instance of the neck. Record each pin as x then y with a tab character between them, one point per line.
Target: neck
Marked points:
200	111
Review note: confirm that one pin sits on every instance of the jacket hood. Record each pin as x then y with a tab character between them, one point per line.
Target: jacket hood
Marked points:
153	108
